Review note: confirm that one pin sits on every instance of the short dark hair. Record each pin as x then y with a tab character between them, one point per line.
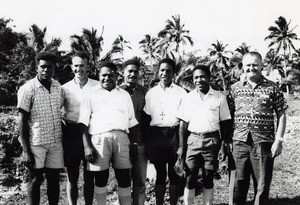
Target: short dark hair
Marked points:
254	53
135	62
202	67
81	54
45	55
108	64
168	61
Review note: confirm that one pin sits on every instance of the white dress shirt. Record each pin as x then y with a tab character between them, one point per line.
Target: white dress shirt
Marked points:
162	105
104	111
72	94
204	115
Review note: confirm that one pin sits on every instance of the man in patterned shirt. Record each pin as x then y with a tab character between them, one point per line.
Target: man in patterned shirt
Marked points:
254	101
39	103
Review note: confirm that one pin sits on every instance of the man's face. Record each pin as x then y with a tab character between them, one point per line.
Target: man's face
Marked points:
252	67
45	70
79	67
131	74
107	78
165	73
201	80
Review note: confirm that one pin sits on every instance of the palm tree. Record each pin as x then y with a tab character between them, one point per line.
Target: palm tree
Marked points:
243	49
90	43
174	36
219	64
119	45
149	49
281	37
37	38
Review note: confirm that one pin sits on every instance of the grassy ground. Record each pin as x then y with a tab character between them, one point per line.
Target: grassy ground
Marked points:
285	187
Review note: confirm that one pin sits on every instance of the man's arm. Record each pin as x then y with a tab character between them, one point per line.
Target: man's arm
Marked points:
181	152
281	123
28	157
89	150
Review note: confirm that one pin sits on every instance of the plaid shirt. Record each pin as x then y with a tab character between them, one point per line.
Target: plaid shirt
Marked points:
254	109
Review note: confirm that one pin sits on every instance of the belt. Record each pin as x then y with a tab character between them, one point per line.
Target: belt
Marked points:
165	128
206	134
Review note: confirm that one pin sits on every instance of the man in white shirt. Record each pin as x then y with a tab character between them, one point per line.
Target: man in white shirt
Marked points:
73	92
203	113
106	118
161	104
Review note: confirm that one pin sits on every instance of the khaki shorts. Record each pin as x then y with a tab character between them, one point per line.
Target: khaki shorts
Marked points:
48	155
202	152
112	147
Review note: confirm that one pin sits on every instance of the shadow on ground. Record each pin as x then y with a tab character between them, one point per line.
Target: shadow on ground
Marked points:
277	201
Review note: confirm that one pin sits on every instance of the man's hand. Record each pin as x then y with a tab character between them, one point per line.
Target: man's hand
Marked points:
151	155
276	148
133	152
90	154
28	159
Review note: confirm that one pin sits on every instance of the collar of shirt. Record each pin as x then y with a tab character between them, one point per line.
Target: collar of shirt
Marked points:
245	82
37	83
205	96
167	88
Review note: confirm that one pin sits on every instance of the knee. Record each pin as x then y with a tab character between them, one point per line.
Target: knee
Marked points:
101	178
123	177
208	179
36	176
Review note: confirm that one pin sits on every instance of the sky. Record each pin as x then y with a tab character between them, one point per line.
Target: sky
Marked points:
230	21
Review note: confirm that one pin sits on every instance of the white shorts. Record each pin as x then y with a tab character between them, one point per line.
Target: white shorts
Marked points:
48	155
112	147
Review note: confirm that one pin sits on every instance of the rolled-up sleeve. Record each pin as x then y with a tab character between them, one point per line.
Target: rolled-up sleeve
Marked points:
182	111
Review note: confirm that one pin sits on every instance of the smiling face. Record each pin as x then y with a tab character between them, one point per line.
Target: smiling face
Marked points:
201	80
107	78
252	67
165	74
45	70
131	74
79	67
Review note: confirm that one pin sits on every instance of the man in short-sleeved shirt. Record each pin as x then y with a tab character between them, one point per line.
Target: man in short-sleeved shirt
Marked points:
73	92
107	119
255	144
203	113
162	102
39	103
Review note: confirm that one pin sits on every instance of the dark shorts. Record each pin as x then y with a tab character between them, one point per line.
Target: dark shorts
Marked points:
164	142
203	150
73	145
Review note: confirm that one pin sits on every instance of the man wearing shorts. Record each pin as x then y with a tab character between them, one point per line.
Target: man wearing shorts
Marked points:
73	92
39	103
107	117
162	102
204	114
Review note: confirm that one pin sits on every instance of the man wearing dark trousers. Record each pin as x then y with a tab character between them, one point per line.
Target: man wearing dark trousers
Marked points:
131	69
162	102
255	145
73	92
39	103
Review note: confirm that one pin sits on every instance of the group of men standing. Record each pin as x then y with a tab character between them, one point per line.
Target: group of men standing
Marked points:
125	126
